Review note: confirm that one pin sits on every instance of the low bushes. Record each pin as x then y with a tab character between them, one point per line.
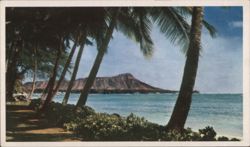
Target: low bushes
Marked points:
102	127
34	104
59	114
89	125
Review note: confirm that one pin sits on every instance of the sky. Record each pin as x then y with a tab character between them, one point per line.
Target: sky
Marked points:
220	63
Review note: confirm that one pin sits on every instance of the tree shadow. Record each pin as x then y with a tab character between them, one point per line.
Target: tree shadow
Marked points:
23	124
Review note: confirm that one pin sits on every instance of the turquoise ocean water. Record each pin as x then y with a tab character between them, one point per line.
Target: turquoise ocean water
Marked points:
222	111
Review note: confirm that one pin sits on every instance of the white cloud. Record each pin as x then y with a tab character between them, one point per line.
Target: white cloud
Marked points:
220	67
236	24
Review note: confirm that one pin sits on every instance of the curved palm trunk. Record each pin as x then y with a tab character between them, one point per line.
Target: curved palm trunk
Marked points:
45	91
73	77
182	106
52	82
66	66
92	75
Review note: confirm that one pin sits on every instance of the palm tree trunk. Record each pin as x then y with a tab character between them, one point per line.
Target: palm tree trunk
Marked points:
92	75
73	77
11	74
34	77
66	66
45	91
9	54
182	106
53	79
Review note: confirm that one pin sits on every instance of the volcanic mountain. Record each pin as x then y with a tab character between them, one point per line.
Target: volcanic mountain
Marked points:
122	83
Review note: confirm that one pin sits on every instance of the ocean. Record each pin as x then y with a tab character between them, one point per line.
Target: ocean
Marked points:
221	111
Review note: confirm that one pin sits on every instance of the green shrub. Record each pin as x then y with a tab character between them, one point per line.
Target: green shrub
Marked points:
140	129
234	139
34	104
72	125
172	135
55	113
208	134
223	138
101	126
59	114
185	135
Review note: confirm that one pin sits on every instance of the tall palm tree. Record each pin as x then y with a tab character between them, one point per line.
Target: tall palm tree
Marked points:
54	73
14	46
182	106
60	25
11	73
87	26
73	77
138	29
66	66
17	42
34	74
135	23
98	59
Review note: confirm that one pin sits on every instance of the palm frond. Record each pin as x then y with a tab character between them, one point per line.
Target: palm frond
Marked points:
145	26
89	42
210	28
134	23
172	24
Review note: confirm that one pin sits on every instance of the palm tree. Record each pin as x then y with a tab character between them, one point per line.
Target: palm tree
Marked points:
179	31
14	45
18	41
59	24
66	66
135	23
34	75
77	62
136	29
98	59
182	106
77	20
54	74
11	73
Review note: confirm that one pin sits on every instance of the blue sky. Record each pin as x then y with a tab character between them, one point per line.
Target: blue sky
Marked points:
220	66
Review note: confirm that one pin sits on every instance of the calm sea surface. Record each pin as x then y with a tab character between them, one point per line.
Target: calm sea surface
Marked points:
222	111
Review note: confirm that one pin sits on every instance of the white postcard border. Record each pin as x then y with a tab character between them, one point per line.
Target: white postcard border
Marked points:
246	65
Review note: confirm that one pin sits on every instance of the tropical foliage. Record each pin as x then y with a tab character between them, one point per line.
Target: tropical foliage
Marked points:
92	126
